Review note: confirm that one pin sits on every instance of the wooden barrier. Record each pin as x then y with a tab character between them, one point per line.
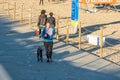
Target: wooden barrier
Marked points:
79	36
3	5
30	17
8	7
21	20
101	42
14	16
57	30
67	31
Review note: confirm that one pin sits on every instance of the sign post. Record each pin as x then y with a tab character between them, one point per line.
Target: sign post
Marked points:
75	14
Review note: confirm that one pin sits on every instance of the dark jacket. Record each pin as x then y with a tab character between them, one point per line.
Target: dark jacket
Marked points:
42	20
51	20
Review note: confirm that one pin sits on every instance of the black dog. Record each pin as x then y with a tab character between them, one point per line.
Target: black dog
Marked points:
39	54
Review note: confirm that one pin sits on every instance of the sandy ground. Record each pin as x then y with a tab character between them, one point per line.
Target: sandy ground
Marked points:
91	22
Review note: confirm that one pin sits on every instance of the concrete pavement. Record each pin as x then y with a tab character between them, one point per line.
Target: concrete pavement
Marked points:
18	45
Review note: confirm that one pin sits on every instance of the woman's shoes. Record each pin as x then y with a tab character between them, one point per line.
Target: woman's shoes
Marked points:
49	60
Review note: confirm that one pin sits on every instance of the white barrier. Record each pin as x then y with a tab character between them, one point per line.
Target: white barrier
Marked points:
95	40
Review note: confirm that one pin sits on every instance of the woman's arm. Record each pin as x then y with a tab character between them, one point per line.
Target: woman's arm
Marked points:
43	33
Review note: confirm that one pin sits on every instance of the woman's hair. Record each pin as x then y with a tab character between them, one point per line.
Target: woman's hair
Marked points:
43	11
51	13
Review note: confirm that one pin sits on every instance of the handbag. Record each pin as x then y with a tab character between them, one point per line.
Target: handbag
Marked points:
37	31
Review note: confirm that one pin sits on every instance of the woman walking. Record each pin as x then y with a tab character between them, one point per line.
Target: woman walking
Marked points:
42	21
47	35
51	19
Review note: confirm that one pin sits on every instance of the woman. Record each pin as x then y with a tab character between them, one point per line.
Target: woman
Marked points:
51	19
42	21
47	35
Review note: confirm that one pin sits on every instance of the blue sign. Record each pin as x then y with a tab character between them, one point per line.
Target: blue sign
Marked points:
75	10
